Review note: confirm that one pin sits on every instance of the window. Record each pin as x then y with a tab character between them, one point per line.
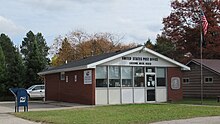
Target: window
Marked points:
37	88
208	79
161	77
185	80
126	75
139	77
62	76
150	69
101	76
114	76
150	80
42	87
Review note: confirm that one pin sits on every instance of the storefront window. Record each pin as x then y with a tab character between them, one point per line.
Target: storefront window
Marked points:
139	77
126	76
161	77
101	76
114	76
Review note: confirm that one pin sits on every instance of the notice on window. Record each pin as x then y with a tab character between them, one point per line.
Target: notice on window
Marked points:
88	77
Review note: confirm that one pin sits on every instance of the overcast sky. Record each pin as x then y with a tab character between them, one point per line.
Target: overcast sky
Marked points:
136	20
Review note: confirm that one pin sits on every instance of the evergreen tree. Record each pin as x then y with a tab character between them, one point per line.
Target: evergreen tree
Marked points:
8	50
43	48
164	46
2	72
13	73
2	65
35	51
18	70
14	69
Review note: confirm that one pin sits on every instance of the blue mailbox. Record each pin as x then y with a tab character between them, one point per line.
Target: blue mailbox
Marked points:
21	98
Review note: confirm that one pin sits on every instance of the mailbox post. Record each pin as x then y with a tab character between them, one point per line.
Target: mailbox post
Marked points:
21	98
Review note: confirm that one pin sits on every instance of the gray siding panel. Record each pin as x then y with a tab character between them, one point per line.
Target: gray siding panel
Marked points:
193	89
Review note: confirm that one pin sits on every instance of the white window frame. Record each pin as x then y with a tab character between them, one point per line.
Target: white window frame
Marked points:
209	78
185	82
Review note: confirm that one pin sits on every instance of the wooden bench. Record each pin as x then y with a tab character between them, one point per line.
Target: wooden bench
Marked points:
218	98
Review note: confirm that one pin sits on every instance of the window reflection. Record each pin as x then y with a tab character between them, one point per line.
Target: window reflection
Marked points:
139	77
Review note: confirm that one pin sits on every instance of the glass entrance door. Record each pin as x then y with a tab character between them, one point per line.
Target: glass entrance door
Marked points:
150	82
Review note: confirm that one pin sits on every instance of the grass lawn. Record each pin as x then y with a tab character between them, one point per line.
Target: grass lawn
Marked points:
123	114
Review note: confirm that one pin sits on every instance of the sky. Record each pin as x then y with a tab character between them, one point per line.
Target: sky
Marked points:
135	20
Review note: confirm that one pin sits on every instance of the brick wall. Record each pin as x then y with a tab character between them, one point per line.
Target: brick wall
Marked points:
71	91
174	94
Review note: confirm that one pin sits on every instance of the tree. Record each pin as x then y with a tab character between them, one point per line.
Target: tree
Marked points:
34	51
8	50
78	45
65	54
18	70
2	65
182	28
7	47
14	69
2	72
164	46
149	44
43	48
34	65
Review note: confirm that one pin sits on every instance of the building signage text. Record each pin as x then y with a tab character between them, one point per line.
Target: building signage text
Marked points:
140	60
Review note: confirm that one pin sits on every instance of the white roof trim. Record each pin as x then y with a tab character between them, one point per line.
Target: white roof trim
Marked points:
62	70
167	59
135	50
114	57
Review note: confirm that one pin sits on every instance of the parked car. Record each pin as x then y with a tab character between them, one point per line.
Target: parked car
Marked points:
36	91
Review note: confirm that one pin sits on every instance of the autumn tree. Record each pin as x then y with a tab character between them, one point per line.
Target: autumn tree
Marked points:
99	43
182	28
64	55
78	45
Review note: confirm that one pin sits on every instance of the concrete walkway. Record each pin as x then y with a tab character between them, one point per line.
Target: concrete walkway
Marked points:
199	120
7	118
11	119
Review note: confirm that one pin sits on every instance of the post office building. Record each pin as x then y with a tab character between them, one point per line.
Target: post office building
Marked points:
135	75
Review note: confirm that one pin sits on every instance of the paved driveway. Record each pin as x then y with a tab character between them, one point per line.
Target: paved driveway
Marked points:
8	107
